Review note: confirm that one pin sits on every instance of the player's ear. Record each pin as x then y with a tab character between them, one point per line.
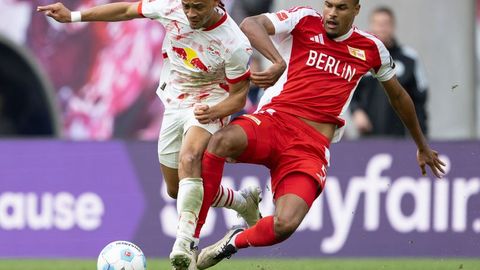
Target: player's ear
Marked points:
357	9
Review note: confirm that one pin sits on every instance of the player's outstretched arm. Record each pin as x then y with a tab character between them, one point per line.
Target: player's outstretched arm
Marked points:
257	29
403	105
120	11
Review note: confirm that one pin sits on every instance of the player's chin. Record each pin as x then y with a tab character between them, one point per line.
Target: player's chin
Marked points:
332	34
195	25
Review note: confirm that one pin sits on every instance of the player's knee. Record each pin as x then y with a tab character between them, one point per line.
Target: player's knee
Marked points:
190	160
221	144
284	227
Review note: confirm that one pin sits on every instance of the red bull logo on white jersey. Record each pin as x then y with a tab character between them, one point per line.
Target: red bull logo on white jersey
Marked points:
190	58
331	65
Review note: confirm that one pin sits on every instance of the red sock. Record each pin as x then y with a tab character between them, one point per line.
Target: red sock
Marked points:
212	171
260	235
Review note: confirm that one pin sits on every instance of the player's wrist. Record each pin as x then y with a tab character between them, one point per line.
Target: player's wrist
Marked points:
423	148
76	16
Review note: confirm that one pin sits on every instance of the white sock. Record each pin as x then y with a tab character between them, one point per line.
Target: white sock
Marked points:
189	203
229	198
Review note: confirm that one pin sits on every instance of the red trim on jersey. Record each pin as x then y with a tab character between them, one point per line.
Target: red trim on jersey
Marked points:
139	9
239	79
282	16
165	55
217	24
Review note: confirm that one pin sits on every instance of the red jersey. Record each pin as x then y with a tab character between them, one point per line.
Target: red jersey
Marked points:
322	73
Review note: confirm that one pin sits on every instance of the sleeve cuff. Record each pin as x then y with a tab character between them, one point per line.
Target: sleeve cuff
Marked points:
139	9
387	76
245	76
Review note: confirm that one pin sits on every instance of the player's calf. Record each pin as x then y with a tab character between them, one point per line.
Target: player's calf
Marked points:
284	228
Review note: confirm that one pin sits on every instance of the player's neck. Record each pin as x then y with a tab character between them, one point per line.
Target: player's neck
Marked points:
217	16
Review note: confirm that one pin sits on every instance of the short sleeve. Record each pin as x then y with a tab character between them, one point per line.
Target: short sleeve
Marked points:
237	66
285	21
151	9
386	69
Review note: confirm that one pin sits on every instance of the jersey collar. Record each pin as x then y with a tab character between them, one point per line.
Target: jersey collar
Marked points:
219	22
344	37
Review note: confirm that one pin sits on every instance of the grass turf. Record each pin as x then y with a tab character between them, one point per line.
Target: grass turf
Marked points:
266	264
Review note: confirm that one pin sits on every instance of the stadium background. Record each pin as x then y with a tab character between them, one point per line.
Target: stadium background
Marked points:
79	119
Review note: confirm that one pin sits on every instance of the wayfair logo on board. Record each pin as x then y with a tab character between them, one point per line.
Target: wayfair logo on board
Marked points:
372	199
439	206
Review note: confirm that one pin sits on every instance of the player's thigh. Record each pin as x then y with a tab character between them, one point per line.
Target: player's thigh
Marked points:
197	135
194	142
249	139
230	142
294	195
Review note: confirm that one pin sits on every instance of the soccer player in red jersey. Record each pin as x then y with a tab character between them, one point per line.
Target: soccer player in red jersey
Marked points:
323	56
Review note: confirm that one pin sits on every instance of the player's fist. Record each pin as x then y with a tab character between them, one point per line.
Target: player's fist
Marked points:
200	108
203	113
361	121
268	77
56	11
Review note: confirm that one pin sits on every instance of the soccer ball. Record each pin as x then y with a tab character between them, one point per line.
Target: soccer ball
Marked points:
121	255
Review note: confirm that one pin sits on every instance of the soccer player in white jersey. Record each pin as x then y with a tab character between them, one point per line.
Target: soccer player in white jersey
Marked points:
208	74
324	56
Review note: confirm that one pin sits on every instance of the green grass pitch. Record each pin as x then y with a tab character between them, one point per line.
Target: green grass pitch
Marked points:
267	264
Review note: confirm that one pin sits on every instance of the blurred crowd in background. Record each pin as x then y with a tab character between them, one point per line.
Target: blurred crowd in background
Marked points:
97	81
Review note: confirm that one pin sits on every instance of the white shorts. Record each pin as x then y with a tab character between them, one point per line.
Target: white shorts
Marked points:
176	122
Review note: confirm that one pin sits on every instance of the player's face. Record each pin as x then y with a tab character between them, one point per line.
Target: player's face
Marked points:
338	16
200	13
383	26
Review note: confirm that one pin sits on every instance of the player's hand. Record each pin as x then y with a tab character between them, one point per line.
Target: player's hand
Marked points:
56	11
268	77
430	157
362	122
203	113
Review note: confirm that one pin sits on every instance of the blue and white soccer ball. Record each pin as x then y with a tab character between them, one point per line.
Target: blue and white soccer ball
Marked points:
121	255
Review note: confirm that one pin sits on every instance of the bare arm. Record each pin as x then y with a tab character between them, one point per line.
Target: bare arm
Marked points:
120	11
257	29
233	103
403	105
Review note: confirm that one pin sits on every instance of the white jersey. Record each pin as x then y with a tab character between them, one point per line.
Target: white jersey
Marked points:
202	61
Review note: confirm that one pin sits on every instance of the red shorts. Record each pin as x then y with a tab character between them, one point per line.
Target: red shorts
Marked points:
299	184
285	144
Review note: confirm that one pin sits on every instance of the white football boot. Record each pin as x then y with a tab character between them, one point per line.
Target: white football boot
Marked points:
222	249
251	213
184	255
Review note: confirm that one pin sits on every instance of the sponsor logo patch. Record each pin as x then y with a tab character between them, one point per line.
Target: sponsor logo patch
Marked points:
253	118
358	53
318	39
